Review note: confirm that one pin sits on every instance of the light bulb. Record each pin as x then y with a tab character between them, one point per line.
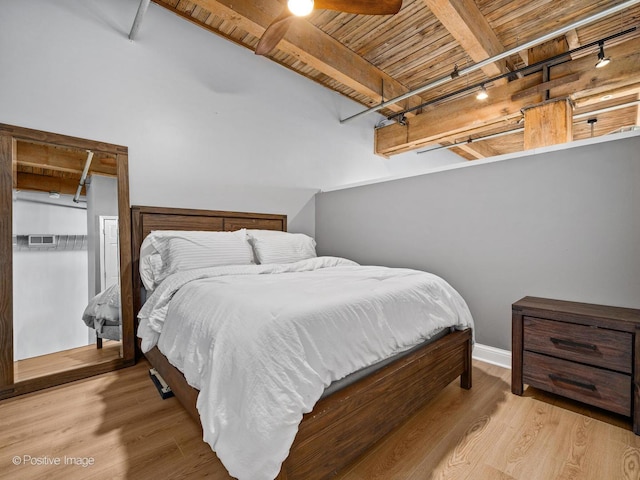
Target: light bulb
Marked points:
482	94
300	8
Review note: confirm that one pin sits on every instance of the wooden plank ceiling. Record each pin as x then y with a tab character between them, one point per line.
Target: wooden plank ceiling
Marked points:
53	168
371	59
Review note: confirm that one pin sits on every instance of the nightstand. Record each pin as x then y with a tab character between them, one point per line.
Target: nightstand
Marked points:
578	350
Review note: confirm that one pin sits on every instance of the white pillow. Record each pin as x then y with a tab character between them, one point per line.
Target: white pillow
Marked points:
169	251
150	263
151	267
281	247
253	234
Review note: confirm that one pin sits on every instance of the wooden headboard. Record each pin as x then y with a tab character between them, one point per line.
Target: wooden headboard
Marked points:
146	219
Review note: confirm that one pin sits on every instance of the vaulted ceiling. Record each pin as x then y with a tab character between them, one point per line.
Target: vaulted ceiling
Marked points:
373	59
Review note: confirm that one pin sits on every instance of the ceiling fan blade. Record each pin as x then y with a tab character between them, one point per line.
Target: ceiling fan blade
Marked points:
362	7
278	28
274	32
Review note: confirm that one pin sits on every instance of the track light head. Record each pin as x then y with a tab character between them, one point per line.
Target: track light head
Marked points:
482	94
602	60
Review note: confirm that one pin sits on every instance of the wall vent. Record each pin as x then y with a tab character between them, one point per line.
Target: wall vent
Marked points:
42	240
36	242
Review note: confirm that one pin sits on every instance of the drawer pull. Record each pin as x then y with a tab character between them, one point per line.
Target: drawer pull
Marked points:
571	343
576	383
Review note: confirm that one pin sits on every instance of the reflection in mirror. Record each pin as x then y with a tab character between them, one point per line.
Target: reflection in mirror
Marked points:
66	302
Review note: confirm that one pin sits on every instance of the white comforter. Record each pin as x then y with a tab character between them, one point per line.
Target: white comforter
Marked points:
261	342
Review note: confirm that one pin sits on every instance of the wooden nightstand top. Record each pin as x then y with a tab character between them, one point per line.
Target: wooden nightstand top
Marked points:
564	310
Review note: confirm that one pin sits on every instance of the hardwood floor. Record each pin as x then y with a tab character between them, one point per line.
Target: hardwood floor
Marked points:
119	427
65	360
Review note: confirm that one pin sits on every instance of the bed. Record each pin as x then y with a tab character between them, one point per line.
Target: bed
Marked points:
345	423
103	314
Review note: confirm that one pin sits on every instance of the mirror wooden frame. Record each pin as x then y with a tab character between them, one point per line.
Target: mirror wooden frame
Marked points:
9	135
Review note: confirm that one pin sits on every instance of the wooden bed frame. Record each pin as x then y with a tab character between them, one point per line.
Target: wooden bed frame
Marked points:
348	422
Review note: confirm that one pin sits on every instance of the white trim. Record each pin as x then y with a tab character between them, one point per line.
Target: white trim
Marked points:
492	355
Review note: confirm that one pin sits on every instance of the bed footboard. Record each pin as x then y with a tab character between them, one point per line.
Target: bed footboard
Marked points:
344	425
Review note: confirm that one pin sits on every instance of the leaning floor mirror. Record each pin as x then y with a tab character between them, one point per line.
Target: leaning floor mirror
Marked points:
65	254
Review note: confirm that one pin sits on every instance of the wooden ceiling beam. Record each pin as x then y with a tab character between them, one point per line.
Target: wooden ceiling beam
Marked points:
613	94
481	148
62	159
500	146
453	119
465	22
479	144
43	183
572	39
548	123
464	114
472	149
548	49
313	47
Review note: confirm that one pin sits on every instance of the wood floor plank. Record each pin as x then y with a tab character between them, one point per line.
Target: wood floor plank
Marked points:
487	471
65	360
630	463
574	465
120	423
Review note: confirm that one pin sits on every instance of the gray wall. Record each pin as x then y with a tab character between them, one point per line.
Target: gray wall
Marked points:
560	224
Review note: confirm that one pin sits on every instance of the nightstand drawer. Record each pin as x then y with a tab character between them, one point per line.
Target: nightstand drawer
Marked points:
580	343
595	386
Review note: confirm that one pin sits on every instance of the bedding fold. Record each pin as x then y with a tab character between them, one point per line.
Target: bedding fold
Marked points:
102	313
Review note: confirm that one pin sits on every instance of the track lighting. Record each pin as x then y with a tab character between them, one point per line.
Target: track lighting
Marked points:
602	60
300	8
482	94
592	124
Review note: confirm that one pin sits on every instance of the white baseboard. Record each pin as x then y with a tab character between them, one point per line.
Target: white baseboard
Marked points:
492	355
